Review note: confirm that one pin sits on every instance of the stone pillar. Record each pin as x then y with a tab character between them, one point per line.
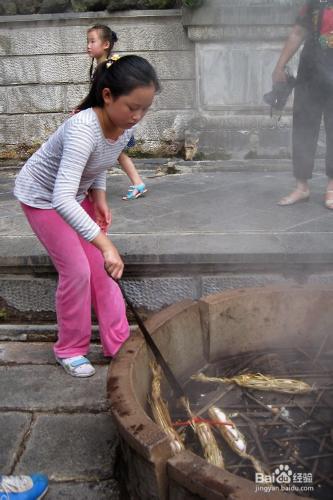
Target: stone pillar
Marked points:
237	44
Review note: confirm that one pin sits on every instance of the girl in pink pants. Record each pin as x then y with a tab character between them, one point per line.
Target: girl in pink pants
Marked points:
62	190
82	282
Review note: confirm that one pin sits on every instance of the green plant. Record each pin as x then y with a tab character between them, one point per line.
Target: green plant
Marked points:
193	4
3	314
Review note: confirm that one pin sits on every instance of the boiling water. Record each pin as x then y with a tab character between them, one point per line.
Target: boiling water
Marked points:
288	433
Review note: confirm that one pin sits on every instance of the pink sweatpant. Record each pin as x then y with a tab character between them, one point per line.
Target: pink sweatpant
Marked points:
82	282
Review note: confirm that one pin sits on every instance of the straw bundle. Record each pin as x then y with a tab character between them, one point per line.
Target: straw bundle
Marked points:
210	448
233	437
260	382
160	410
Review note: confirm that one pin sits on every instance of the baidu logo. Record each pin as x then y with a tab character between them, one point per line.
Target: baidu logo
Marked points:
282	475
284	479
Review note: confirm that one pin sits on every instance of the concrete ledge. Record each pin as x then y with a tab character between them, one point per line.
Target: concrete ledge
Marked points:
204	249
151	166
236	33
193	234
224	12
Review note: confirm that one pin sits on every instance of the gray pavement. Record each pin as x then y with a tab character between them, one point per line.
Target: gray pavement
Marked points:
53	423
217	217
61	426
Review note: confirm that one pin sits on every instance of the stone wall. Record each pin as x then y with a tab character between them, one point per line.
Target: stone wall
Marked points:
13	7
44	73
237	45
215	64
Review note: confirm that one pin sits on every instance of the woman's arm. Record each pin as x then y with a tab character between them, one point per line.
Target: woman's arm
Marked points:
293	43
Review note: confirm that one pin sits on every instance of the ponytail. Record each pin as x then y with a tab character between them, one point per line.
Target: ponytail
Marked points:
121	76
91	69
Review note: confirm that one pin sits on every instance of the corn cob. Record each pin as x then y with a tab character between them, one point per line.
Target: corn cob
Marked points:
161	412
161	415
233	437
210	448
260	382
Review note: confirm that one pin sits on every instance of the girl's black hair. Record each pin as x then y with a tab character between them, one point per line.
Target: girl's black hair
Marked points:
121	77
107	35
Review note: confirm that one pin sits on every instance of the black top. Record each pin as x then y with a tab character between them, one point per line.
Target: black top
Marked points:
316	62
316	16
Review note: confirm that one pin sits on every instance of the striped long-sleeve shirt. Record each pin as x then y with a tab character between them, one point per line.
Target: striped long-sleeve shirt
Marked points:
74	159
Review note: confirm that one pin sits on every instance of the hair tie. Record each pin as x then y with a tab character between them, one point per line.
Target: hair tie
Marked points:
111	60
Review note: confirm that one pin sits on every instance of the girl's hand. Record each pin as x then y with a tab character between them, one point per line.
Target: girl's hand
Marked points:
113	263
103	216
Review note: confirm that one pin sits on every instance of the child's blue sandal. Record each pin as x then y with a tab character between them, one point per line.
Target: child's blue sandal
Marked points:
135	192
77	366
32	487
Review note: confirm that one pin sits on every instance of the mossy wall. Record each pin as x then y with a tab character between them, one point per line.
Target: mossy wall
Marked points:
45	72
13	7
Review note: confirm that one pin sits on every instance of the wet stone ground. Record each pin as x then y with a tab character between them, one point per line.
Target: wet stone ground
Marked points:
53	423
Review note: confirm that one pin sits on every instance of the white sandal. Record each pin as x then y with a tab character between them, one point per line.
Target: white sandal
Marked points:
290	200
77	366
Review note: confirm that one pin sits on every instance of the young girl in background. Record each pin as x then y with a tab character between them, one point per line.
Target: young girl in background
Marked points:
52	188
100	42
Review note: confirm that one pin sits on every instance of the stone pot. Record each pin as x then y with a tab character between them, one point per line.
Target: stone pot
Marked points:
190	334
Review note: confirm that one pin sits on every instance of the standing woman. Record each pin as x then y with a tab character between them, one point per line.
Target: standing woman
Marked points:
52	188
313	94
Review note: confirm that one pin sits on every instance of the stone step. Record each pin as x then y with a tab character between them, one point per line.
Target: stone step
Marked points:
71	447
26	333
40	353
93	490
40	333
46	388
55	423
34	332
67	447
